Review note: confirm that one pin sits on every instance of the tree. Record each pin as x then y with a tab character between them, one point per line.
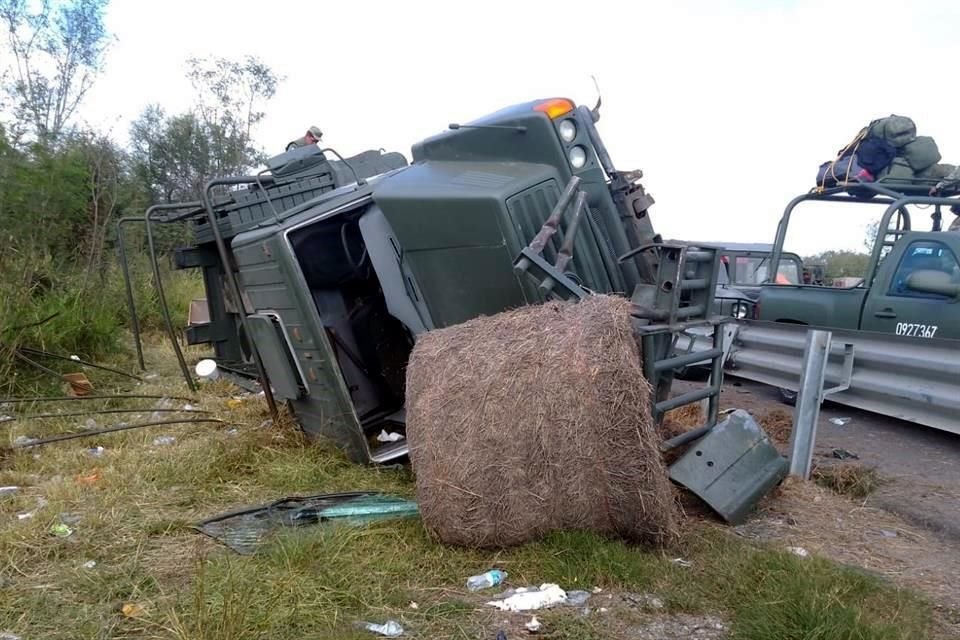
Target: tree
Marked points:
841	264
174	155
229	94
870	235
58	50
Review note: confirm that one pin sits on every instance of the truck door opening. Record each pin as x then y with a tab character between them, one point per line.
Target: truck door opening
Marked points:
371	346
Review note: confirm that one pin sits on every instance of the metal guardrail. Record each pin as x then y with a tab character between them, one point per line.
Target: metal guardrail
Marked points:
906	378
891	375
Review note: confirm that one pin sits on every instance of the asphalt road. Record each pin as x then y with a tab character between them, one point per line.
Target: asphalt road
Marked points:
922	464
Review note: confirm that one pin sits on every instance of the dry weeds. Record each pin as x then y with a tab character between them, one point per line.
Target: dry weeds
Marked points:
806	515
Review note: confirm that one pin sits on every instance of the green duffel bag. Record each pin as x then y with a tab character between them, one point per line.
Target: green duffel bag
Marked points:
897	130
936	172
899	171
921	154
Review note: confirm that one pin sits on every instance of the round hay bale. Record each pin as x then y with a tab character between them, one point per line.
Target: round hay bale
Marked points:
534	420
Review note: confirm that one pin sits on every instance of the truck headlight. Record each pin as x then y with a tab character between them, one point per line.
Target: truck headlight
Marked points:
568	130
578	157
740	310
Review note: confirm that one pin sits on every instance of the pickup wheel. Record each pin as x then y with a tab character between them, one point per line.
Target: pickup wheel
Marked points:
787	396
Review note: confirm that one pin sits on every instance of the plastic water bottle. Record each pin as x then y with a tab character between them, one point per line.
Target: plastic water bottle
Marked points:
486	580
390	629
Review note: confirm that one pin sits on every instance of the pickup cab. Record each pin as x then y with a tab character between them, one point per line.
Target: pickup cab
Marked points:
912	284
743	269
911	287
915	292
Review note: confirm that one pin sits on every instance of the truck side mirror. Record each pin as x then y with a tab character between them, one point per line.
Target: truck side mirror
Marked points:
930	281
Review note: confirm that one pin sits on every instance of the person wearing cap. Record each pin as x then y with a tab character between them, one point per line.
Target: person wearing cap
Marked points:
312	136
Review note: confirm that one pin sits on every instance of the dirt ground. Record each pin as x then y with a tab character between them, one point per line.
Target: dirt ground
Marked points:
907	530
921	464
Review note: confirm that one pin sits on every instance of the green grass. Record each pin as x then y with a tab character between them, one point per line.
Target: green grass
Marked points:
318	582
82	315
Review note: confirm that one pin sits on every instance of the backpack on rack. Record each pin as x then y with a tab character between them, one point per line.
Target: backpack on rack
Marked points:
866	156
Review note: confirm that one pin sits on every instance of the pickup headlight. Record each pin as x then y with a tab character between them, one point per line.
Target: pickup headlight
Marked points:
578	157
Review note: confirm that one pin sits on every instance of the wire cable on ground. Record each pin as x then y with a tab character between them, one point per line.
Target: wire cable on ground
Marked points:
90	397
47	354
115	428
97	412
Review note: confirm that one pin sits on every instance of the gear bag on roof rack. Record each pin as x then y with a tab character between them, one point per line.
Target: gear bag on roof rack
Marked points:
889	150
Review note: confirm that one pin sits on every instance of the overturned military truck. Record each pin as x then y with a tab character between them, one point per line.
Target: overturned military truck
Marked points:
334	268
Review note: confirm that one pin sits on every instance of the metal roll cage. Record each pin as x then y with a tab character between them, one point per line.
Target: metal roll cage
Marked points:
897	197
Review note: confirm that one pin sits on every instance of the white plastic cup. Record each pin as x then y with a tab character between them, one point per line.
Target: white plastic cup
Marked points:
207	369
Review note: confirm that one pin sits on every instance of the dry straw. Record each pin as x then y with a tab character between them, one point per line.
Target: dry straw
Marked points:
534	420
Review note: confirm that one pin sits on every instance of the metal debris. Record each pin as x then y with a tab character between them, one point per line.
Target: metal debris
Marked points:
843	454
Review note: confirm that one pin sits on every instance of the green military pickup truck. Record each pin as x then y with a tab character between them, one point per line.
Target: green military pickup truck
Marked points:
895	334
912	284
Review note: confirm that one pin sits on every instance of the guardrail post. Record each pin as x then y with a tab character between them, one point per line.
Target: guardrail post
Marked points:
809	398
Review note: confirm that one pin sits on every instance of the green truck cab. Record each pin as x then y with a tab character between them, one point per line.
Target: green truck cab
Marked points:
743	269
912	284
333	274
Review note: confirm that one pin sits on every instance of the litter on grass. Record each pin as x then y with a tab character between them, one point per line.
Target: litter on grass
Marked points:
486	580
389	629
245	530
523	599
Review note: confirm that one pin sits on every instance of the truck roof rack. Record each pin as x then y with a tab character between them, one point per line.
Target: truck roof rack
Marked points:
857	191
289	179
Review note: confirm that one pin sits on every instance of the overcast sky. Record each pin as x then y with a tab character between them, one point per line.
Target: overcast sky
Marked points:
728	107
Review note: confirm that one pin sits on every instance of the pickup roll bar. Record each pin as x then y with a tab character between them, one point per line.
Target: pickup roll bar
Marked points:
867	193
